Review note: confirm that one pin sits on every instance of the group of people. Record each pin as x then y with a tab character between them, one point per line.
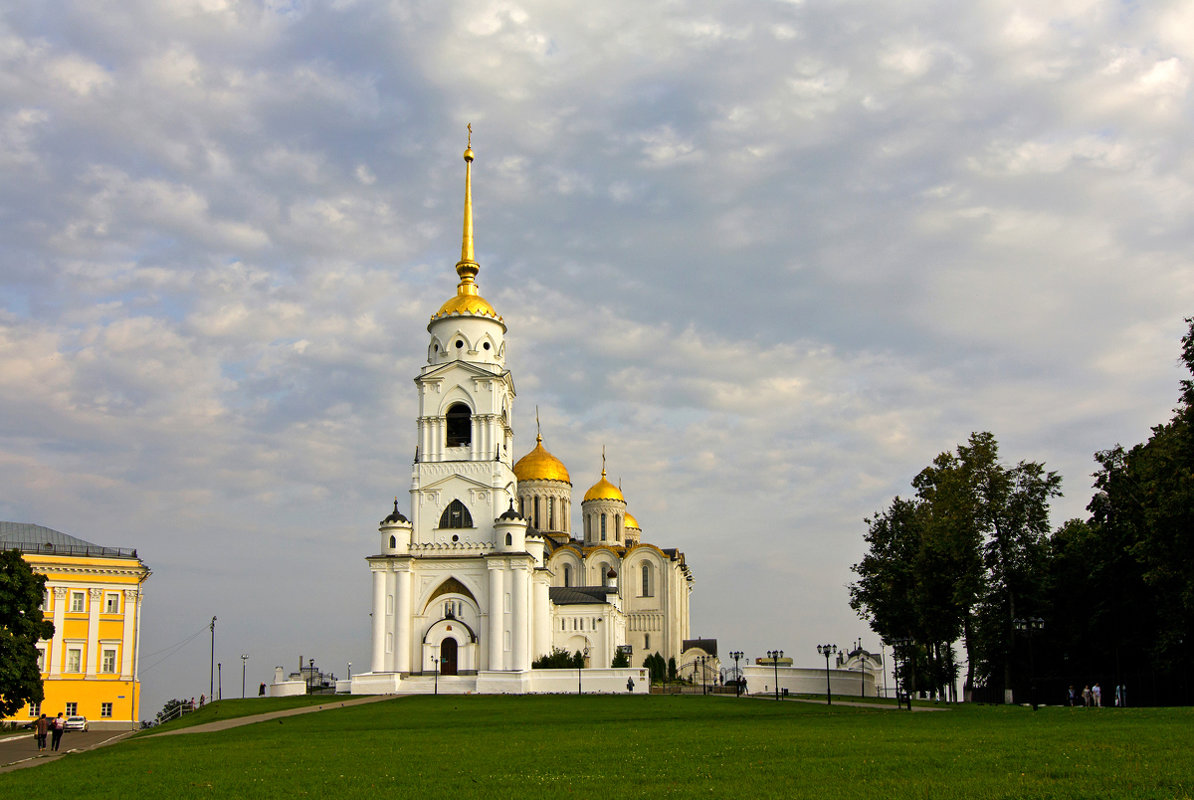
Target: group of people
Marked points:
51	727
1092	696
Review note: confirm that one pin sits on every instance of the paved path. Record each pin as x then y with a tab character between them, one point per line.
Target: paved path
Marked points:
236	722
20	751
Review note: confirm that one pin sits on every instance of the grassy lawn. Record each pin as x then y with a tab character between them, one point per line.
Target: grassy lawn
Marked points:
671	746
230	709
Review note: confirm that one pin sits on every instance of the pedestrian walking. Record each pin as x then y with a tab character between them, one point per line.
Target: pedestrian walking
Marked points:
1086	696
56	729
1097	693
41	728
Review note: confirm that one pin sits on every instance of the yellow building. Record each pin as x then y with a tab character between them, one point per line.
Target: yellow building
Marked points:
93	597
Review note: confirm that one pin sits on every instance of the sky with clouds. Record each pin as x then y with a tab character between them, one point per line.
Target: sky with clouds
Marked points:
775	256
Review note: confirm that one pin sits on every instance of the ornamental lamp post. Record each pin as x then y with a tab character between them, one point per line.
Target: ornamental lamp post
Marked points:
861	670
244	660
827	650
1029	625
579	669
737	654
775	656
435	662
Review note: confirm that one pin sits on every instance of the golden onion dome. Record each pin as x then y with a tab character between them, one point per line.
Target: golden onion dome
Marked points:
604	490
469	305
540	465
630	522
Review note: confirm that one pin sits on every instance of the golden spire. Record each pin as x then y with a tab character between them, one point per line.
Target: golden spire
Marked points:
603	461
538	430
467	266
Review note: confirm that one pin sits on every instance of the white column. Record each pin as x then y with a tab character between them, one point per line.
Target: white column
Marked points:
391	627
496	616
402	622
521	622
379	621
55	654
128	634
95	599
541	613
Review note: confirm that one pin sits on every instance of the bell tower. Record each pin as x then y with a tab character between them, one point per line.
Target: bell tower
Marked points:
463	477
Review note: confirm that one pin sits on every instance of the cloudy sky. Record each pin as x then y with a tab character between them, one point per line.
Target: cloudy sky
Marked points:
774	255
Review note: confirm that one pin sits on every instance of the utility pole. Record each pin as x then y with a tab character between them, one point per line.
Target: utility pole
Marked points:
212	679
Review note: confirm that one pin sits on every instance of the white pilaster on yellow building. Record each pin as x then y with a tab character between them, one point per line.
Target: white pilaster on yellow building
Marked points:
93	596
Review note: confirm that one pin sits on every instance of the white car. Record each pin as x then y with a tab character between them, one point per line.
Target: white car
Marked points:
76	723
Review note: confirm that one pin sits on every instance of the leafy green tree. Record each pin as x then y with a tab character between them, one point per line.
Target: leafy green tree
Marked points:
672	671
621	659
21	627
559	659
956	560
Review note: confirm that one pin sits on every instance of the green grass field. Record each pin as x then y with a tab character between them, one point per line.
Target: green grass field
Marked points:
622	746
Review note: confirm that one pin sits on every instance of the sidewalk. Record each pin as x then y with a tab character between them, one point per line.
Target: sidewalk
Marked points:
236	722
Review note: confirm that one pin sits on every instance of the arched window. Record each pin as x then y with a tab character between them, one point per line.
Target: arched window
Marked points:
604	569
603	527
536	522
393	541
567	575
456	516
509	539
551	513
460	425
522	507
646	580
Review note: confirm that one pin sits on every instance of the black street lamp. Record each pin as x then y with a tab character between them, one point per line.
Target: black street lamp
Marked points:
775	656
861	670
737	654
580	667
211	688
244	660
435	662
1029	625
827	650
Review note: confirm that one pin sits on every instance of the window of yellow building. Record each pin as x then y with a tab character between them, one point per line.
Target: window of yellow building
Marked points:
108	662
112	603
74	660
105	709
72	708
76	602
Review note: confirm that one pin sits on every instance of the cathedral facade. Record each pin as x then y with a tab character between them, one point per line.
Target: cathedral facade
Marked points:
486	575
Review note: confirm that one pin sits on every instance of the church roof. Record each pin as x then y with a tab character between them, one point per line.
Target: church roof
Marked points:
540	465
395	515
630	522
708	645
30	538
579	595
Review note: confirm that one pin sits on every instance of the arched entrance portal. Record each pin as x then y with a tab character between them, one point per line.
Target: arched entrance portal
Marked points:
447	657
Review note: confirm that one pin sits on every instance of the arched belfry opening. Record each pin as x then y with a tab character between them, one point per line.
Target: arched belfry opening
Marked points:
459	426
456	516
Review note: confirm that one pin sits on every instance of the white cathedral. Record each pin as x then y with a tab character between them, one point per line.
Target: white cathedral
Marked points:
486	576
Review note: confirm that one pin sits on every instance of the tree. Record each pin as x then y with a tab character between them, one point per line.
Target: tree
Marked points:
21	627
621	659
559	659
957	560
